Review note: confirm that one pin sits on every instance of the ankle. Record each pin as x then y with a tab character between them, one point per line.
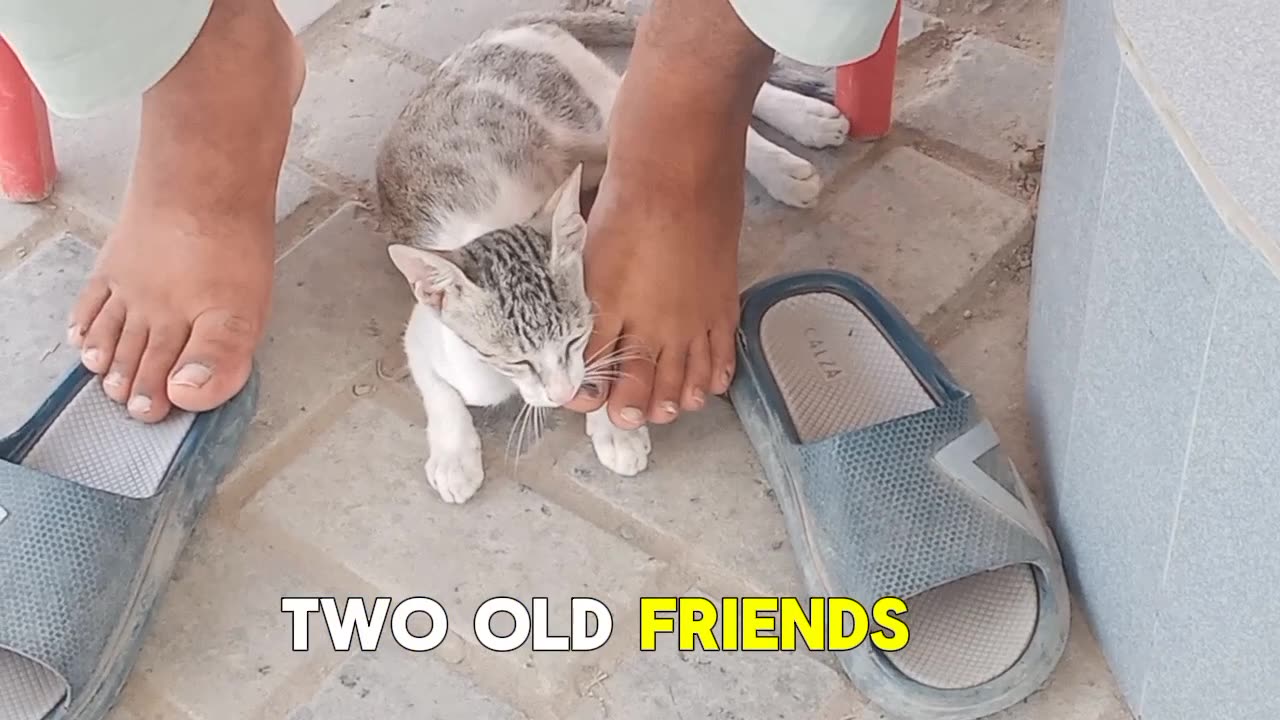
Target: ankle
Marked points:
244	56
217	126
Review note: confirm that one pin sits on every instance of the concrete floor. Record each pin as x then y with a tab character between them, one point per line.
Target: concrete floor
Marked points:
330	500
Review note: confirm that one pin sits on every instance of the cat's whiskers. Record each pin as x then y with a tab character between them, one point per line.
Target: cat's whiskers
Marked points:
523	446
618	358
609	375
512	435
539	420
529	424
613	348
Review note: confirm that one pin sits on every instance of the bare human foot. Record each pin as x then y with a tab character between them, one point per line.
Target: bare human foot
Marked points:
179	296
661	259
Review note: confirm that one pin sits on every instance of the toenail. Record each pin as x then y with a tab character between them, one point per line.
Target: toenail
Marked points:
632	415
113	380
139	404
726	377
91	356
74	335
192	375
699	397
670	408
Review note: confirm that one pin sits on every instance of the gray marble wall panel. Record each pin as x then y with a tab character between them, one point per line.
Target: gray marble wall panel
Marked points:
1153	352
1151	293
1084	98
1217	640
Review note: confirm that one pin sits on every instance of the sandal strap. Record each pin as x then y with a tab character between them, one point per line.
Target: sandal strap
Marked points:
927	499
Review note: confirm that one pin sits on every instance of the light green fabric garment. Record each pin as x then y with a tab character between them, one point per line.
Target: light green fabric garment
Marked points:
88	55
818	32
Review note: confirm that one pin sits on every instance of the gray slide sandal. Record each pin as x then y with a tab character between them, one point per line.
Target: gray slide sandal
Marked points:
95	509
892	484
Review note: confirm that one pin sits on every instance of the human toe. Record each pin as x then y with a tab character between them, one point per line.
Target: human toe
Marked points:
723	359
697	375
98	347
629	396
92	297
668	385
590	397
129	348
148	397
216	361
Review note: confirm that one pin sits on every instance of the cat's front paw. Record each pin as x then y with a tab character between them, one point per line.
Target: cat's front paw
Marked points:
625	452
817	124
791	180
455	475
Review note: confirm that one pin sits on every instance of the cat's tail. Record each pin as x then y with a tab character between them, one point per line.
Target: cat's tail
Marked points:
604	29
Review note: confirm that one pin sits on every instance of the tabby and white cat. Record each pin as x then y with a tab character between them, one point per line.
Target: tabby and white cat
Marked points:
479	184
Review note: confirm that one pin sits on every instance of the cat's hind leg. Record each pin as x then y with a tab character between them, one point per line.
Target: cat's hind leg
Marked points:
455	466
809	121
625	452
789	179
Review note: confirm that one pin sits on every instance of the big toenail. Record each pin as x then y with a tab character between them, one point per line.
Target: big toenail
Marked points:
139	404
670	408
113	380
632	415
91	356
192	375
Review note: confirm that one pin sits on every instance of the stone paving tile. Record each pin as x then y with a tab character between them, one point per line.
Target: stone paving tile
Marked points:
300	14
126	711
1081	687
16	218
434	29
33	340
991	101
220	645
988	356
913	23
366	473
135	703
296	187
667	683
339	304
829	162
94	156
914	228
704	487
344	111
394	684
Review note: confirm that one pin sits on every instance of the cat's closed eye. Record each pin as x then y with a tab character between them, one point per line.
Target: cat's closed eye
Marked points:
575	346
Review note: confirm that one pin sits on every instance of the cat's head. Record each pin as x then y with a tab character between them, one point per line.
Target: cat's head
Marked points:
516	296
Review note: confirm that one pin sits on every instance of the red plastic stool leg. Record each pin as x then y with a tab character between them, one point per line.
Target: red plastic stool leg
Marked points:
27	169
864	89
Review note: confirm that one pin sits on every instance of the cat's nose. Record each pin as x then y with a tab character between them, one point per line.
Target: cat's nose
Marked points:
561	393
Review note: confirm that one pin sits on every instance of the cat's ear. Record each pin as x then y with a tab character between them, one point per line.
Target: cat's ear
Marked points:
429	273
568	227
